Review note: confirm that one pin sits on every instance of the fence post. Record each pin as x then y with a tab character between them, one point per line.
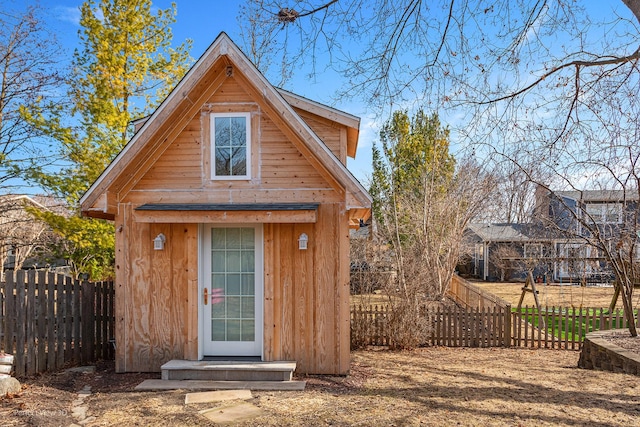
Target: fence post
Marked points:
507	325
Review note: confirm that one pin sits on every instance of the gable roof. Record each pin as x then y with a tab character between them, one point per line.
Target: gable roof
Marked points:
185	95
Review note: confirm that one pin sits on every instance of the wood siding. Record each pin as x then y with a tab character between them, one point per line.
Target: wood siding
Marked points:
184	165
154	294
306	294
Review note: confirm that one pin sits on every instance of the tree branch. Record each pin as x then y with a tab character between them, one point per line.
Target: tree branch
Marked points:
577	64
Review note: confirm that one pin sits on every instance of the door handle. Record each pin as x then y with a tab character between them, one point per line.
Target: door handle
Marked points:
206	296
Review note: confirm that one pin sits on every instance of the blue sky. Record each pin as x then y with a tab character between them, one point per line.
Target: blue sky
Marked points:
202	21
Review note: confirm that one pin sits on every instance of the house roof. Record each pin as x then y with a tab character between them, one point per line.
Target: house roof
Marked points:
513	232
499	232
599	195
127	162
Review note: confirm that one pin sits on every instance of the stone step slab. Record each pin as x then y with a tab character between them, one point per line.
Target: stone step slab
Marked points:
157	385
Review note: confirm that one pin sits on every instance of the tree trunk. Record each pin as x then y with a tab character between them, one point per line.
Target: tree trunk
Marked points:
634	7
625	291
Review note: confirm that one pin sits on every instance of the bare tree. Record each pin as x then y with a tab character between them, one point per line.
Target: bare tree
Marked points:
22	236
603	161
423	202
450	50
507	261
28	69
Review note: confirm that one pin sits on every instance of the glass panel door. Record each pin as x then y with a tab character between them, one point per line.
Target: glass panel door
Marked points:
232	304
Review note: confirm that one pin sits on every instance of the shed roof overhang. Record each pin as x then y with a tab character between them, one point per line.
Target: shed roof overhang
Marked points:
229	213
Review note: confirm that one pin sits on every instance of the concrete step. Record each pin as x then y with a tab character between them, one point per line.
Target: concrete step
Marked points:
204	370
158	385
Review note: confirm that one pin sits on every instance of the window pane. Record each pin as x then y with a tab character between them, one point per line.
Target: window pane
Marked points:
217	262
233	307
233	284
233	238
248	262
217	238
223	131
248	284
233	330
217	308
239	161
248	240
248	330
217	330
233	261
613	212
223	161
248	307
217	282
238	134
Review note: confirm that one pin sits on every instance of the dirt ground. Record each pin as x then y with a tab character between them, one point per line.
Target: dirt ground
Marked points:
431	386
555	294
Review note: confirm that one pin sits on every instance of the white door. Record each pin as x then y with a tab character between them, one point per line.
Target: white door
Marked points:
232	290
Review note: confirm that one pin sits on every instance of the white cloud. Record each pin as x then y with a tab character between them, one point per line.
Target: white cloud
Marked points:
68	14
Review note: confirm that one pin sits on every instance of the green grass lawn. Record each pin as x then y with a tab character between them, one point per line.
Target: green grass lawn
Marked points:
573	323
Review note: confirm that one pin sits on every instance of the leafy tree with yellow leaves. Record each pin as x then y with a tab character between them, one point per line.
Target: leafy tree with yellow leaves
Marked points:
124	68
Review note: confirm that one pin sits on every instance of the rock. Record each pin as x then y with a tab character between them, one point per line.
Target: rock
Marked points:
9	385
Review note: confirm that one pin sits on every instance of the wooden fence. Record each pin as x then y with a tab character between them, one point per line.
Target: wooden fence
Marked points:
469	295
447	326
48	321
549	327
482	319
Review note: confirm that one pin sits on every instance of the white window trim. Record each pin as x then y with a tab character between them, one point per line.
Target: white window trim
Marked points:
604	208
212	122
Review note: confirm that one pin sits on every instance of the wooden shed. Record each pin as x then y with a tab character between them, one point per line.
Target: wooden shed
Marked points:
232	206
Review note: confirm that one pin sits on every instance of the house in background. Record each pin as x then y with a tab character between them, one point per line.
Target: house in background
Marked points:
556	245
26	242
506	251
232	206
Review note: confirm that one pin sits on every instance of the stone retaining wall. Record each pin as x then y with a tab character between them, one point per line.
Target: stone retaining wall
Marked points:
599	353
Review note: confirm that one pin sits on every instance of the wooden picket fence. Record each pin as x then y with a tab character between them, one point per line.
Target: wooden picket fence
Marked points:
447	326
48	321
549	327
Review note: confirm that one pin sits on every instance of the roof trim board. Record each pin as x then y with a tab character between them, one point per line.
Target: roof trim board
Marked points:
228	207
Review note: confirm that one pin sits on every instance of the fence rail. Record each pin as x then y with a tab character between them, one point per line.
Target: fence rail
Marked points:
48	321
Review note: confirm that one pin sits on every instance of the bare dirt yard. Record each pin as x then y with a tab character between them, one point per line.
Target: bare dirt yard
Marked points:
430	386
554	294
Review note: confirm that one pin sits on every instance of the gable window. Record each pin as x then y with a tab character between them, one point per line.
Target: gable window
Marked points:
231	146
